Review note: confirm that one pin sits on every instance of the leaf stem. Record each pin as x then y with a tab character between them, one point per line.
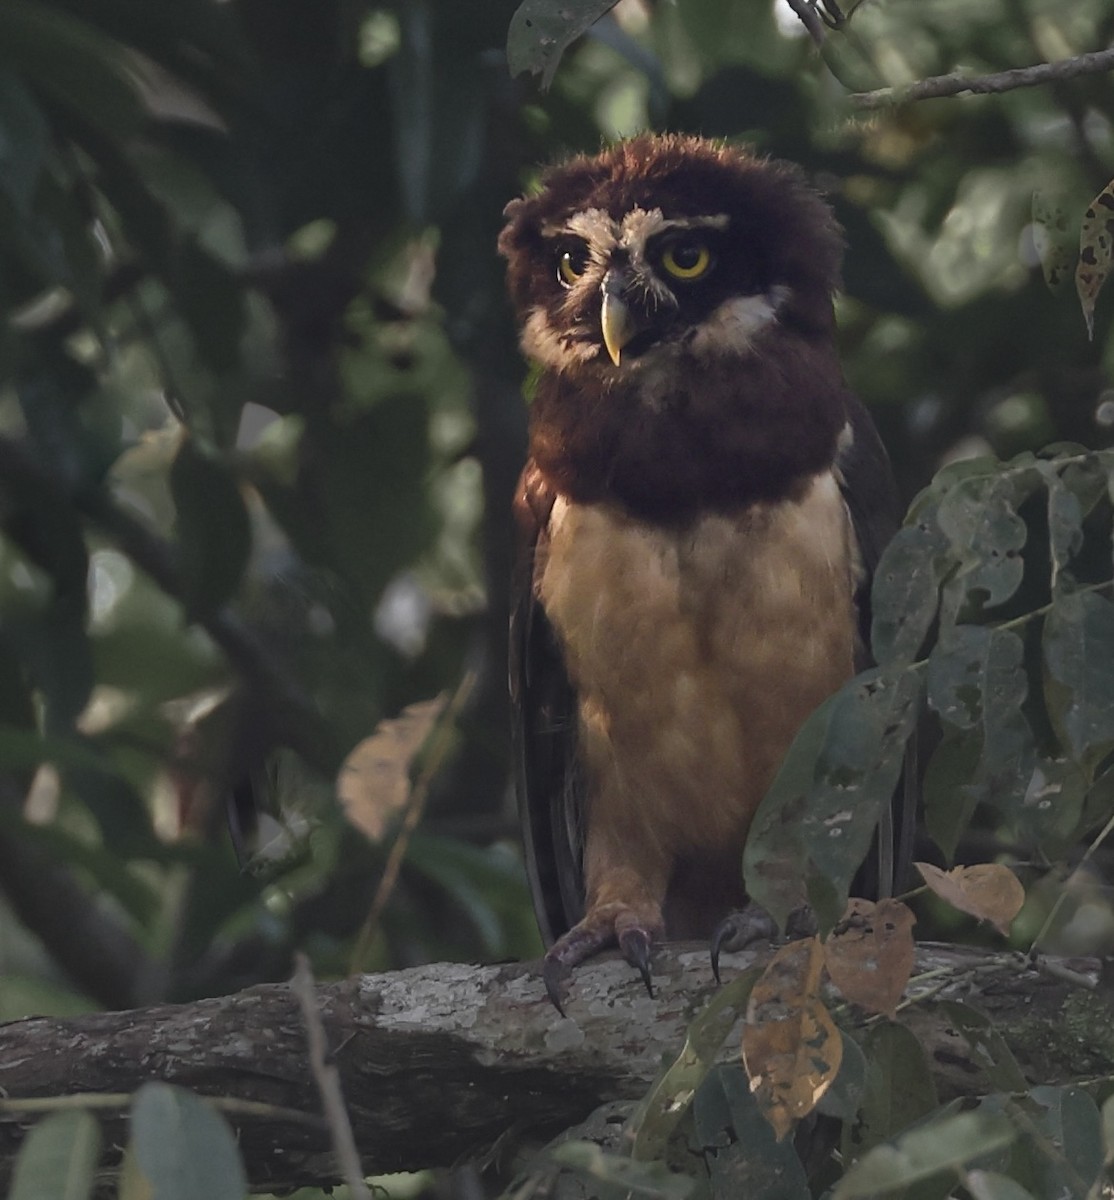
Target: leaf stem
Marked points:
1103	834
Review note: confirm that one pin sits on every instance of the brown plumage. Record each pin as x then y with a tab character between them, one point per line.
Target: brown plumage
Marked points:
702	506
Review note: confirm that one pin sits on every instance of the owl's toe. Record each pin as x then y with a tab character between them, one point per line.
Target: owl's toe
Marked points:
631	927
751	924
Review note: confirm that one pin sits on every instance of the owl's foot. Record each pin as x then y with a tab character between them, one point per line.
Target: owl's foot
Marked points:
634	932
752	924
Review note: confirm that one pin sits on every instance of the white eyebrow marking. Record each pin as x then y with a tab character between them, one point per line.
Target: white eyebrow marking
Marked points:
603	233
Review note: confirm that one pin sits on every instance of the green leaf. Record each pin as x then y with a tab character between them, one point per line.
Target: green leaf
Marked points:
845	1096
184	1147
899	1088
906	591
76	427
24	142
71	62
212	303
58	1159
977	683
541	31
214	531
653	1123
1050	814
948	792
1107	1117
989	1185
987	1046
1065	525
986	536
740	1147
935	1146
822	809
1078	649
1061	1152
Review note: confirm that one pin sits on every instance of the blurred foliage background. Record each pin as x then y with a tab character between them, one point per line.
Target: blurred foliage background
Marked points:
261	417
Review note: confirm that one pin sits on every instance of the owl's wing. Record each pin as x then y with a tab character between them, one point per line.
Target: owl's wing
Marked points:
867	484
549	782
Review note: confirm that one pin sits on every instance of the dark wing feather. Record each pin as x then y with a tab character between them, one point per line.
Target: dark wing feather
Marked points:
867	484
548	780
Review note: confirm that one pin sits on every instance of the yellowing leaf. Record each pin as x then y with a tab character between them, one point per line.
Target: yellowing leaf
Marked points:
869	954
791	1046
1096	249
988	891
374	782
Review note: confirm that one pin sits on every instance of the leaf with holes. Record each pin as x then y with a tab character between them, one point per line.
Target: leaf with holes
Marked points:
976	682
869	954
822	809
541	31
1096	250
791	1046
986	535
653	1122
989	891
906	591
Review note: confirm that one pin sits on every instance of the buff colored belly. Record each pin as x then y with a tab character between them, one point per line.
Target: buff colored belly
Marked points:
696	653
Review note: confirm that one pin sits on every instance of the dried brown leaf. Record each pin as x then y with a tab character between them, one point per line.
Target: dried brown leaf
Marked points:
374	782
791	1046
869	954
1096	251
988	891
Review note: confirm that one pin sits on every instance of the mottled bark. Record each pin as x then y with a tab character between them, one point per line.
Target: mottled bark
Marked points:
438	1062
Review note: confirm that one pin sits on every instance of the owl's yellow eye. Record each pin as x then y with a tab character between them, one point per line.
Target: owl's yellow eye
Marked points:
571	264
686	260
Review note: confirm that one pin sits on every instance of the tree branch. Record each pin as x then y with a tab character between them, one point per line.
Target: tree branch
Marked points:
810	19
438	1063
956	83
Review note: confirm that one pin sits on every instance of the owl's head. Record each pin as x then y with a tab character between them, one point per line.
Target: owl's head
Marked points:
667	250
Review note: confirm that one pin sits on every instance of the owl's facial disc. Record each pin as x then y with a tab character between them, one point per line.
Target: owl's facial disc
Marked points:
630	282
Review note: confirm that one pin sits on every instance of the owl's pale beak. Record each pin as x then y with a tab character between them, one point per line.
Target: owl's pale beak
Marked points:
617	323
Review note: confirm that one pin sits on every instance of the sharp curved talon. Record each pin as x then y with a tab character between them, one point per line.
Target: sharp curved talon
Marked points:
724	932
554	974
635	945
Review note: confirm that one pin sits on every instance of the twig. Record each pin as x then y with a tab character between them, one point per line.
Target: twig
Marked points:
415	807
1056	970
1088	854
810	19
1001	81
327	1078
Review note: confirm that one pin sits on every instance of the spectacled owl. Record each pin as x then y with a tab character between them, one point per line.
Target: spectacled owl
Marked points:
702	506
